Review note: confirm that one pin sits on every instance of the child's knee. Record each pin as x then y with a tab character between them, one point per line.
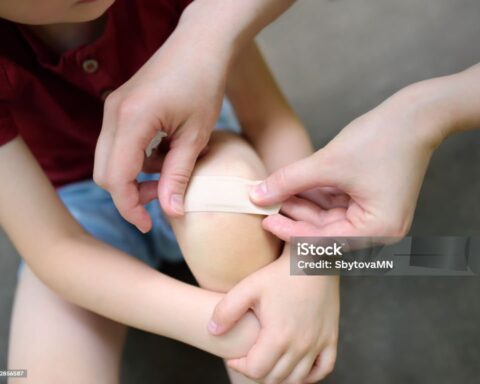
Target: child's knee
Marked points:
223	248
230	155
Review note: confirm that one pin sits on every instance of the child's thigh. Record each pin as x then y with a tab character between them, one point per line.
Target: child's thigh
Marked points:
223	248
58	342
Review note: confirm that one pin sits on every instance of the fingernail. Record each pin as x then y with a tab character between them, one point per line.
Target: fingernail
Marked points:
212	327
176	202
259	190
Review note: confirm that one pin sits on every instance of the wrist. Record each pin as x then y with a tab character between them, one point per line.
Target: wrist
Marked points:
233	23
216	38
442	106
427	105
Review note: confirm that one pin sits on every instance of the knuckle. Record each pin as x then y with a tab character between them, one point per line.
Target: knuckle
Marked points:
330	363
257	372
128	108
274	379
199	138
302	347
101	180
329	367
112	101
282	178
395	228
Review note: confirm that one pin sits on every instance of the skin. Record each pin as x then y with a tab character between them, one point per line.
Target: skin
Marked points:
279	356
356	185
119	287
52	12
265	123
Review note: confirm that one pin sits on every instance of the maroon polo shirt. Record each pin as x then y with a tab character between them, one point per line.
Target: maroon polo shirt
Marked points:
55	103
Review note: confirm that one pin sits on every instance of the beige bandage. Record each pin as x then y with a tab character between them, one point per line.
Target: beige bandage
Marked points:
223	194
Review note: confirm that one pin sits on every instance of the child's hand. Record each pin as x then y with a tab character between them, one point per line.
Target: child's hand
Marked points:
299	318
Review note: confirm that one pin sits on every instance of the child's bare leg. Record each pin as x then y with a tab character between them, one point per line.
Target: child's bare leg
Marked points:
58	342
223	248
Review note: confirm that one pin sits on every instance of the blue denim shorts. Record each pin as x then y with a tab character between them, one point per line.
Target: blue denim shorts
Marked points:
94	209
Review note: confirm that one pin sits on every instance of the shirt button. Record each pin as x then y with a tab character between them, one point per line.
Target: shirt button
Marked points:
90	66
105	94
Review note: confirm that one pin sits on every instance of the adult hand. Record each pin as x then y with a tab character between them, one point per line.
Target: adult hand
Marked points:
366	181
178	91
184	103
299	323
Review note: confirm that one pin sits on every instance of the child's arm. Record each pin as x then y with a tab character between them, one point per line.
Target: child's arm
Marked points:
96	276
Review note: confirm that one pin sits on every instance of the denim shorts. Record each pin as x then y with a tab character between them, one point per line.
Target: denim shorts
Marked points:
94	209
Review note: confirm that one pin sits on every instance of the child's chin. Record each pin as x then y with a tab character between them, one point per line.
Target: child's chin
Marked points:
89	11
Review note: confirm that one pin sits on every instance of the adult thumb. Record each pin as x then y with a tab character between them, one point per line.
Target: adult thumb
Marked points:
177	169
295	178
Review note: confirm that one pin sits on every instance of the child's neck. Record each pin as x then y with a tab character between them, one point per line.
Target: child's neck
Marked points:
62	37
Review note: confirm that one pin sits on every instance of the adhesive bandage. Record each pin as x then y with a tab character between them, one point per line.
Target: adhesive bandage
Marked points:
223	194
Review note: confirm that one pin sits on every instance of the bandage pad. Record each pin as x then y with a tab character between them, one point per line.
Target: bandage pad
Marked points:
223	194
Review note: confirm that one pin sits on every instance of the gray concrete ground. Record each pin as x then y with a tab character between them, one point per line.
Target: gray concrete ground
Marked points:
335	60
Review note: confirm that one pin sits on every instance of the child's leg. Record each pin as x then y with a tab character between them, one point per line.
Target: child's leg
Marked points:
58	342
223	248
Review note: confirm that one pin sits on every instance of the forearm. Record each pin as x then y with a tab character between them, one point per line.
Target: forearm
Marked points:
228	25
100	278
445	105
267	119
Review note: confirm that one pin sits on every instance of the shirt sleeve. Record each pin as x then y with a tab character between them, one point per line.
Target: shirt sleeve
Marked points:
184	4
8	129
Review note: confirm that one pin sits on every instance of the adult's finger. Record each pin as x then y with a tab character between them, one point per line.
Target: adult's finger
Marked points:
302	370
305	174
299	209
127	199
125	162
324	364
283	368
261	358
285	228
177	170
326	199
105	143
